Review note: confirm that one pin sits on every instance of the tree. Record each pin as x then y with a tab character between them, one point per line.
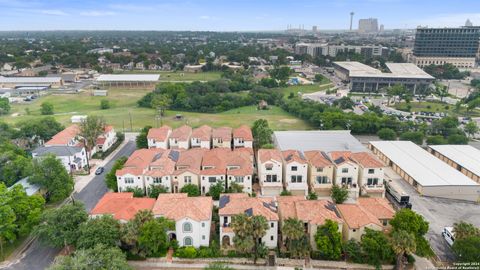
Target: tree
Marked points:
403	243
457	139
295	239
217	266
376	248
467	249
98	258
262	134
471	128
90	129
312	196
50	174
153	236
44	128
329	240
234	187
441	91
27	209
110	177
59	227
411	222
387	134
161	103
436	140
7	217
248	229
104	104
46	108
142	141
130	232
155	190
216	190
137	191
344	103
463	230
102	230
339	194
413	136
4	106
191	189
319	78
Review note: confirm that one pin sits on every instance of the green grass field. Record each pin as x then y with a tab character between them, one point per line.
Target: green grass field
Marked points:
124	107
178	75
436	107
304	89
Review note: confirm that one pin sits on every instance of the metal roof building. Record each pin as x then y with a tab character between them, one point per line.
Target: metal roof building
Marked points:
324	140
15	82
428	174
464	158
128	80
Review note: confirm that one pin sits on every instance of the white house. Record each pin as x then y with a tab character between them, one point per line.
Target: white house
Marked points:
240	169
213	168
240	203
295	171
132	173
192	216
158	137
106	140
180	137
242	137
73	158
270	171
187	168
201	137
160	171
371	174
346	173
321	172
222	137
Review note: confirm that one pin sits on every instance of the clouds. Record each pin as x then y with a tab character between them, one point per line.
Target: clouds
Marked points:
447	20
53	12
96	13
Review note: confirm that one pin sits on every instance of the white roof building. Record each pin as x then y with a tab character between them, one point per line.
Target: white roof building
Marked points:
128	78
428	174
464	158
324	140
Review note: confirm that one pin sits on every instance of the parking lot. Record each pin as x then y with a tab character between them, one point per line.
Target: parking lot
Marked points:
439	213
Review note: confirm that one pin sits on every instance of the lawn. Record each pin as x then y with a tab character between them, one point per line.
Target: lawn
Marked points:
124	108
304	89
428	106
8	249
179	75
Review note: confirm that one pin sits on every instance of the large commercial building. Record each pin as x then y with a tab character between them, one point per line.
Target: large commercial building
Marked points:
363	78
464	158
316	49
128	80
457	46
428	174
39	83
324	140
369	25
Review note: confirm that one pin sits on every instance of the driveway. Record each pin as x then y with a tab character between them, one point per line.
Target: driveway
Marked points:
439	213
38	256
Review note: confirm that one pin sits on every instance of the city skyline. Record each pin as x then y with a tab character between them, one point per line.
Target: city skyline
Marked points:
237	15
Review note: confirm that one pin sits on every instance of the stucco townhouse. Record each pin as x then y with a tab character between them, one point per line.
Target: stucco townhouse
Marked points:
201	137
371	174
214	168
295	171
320	172
160	170
346	173
270	171
222	137
122	206
240	169
242	137
187	168
240	203
180	138
132	173
158	137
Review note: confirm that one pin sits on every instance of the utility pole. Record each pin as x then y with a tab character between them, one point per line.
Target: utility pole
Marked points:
131	125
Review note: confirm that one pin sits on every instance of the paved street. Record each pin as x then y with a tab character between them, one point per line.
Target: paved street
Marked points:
37	256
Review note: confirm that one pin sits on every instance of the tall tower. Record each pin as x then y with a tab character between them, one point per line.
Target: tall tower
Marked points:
351	19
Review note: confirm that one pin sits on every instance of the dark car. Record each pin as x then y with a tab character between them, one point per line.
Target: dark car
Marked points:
99	170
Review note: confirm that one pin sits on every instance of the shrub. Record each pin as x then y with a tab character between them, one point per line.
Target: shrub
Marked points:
104	104
387	134
186	252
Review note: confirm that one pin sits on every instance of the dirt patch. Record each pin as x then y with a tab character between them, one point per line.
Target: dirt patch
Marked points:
288	121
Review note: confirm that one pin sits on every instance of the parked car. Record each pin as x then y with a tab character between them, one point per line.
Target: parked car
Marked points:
448	235
99	170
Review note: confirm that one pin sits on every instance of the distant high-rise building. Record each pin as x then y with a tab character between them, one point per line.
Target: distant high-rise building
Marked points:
438	46
314	28
468	23
369	25
382	28
351	20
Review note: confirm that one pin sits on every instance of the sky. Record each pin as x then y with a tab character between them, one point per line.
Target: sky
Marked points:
230	15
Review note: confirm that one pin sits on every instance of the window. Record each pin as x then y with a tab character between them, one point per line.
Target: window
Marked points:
294	168
203	237
187	241
187	179
239	179
371	171
225	220
271	178
187	227
346	180
296	179
385	222
129	180
157	180
354	230
319	169
322	180
272	224
344	170
212	179
203	224
268	166
372	181
271	238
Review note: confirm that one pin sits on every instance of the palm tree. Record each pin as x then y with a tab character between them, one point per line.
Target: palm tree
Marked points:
464	230
248	230
403	243
295	238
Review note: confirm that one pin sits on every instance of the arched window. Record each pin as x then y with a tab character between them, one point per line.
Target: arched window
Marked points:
187	241
187	227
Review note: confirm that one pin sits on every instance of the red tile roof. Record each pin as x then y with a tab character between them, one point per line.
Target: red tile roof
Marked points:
122	206
356	216
139	161
191	158
311	211
367	160
265	155
243	160
339	157
379	207
238	203
108	128
101	140
222	132
65	136
204	133
182	133
318	159
159	134
244	132
177	206
215	158
293	156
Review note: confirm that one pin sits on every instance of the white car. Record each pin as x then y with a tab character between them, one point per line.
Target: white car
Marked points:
448	235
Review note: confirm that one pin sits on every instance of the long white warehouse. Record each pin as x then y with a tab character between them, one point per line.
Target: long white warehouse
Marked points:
464	158
428	174
128	80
